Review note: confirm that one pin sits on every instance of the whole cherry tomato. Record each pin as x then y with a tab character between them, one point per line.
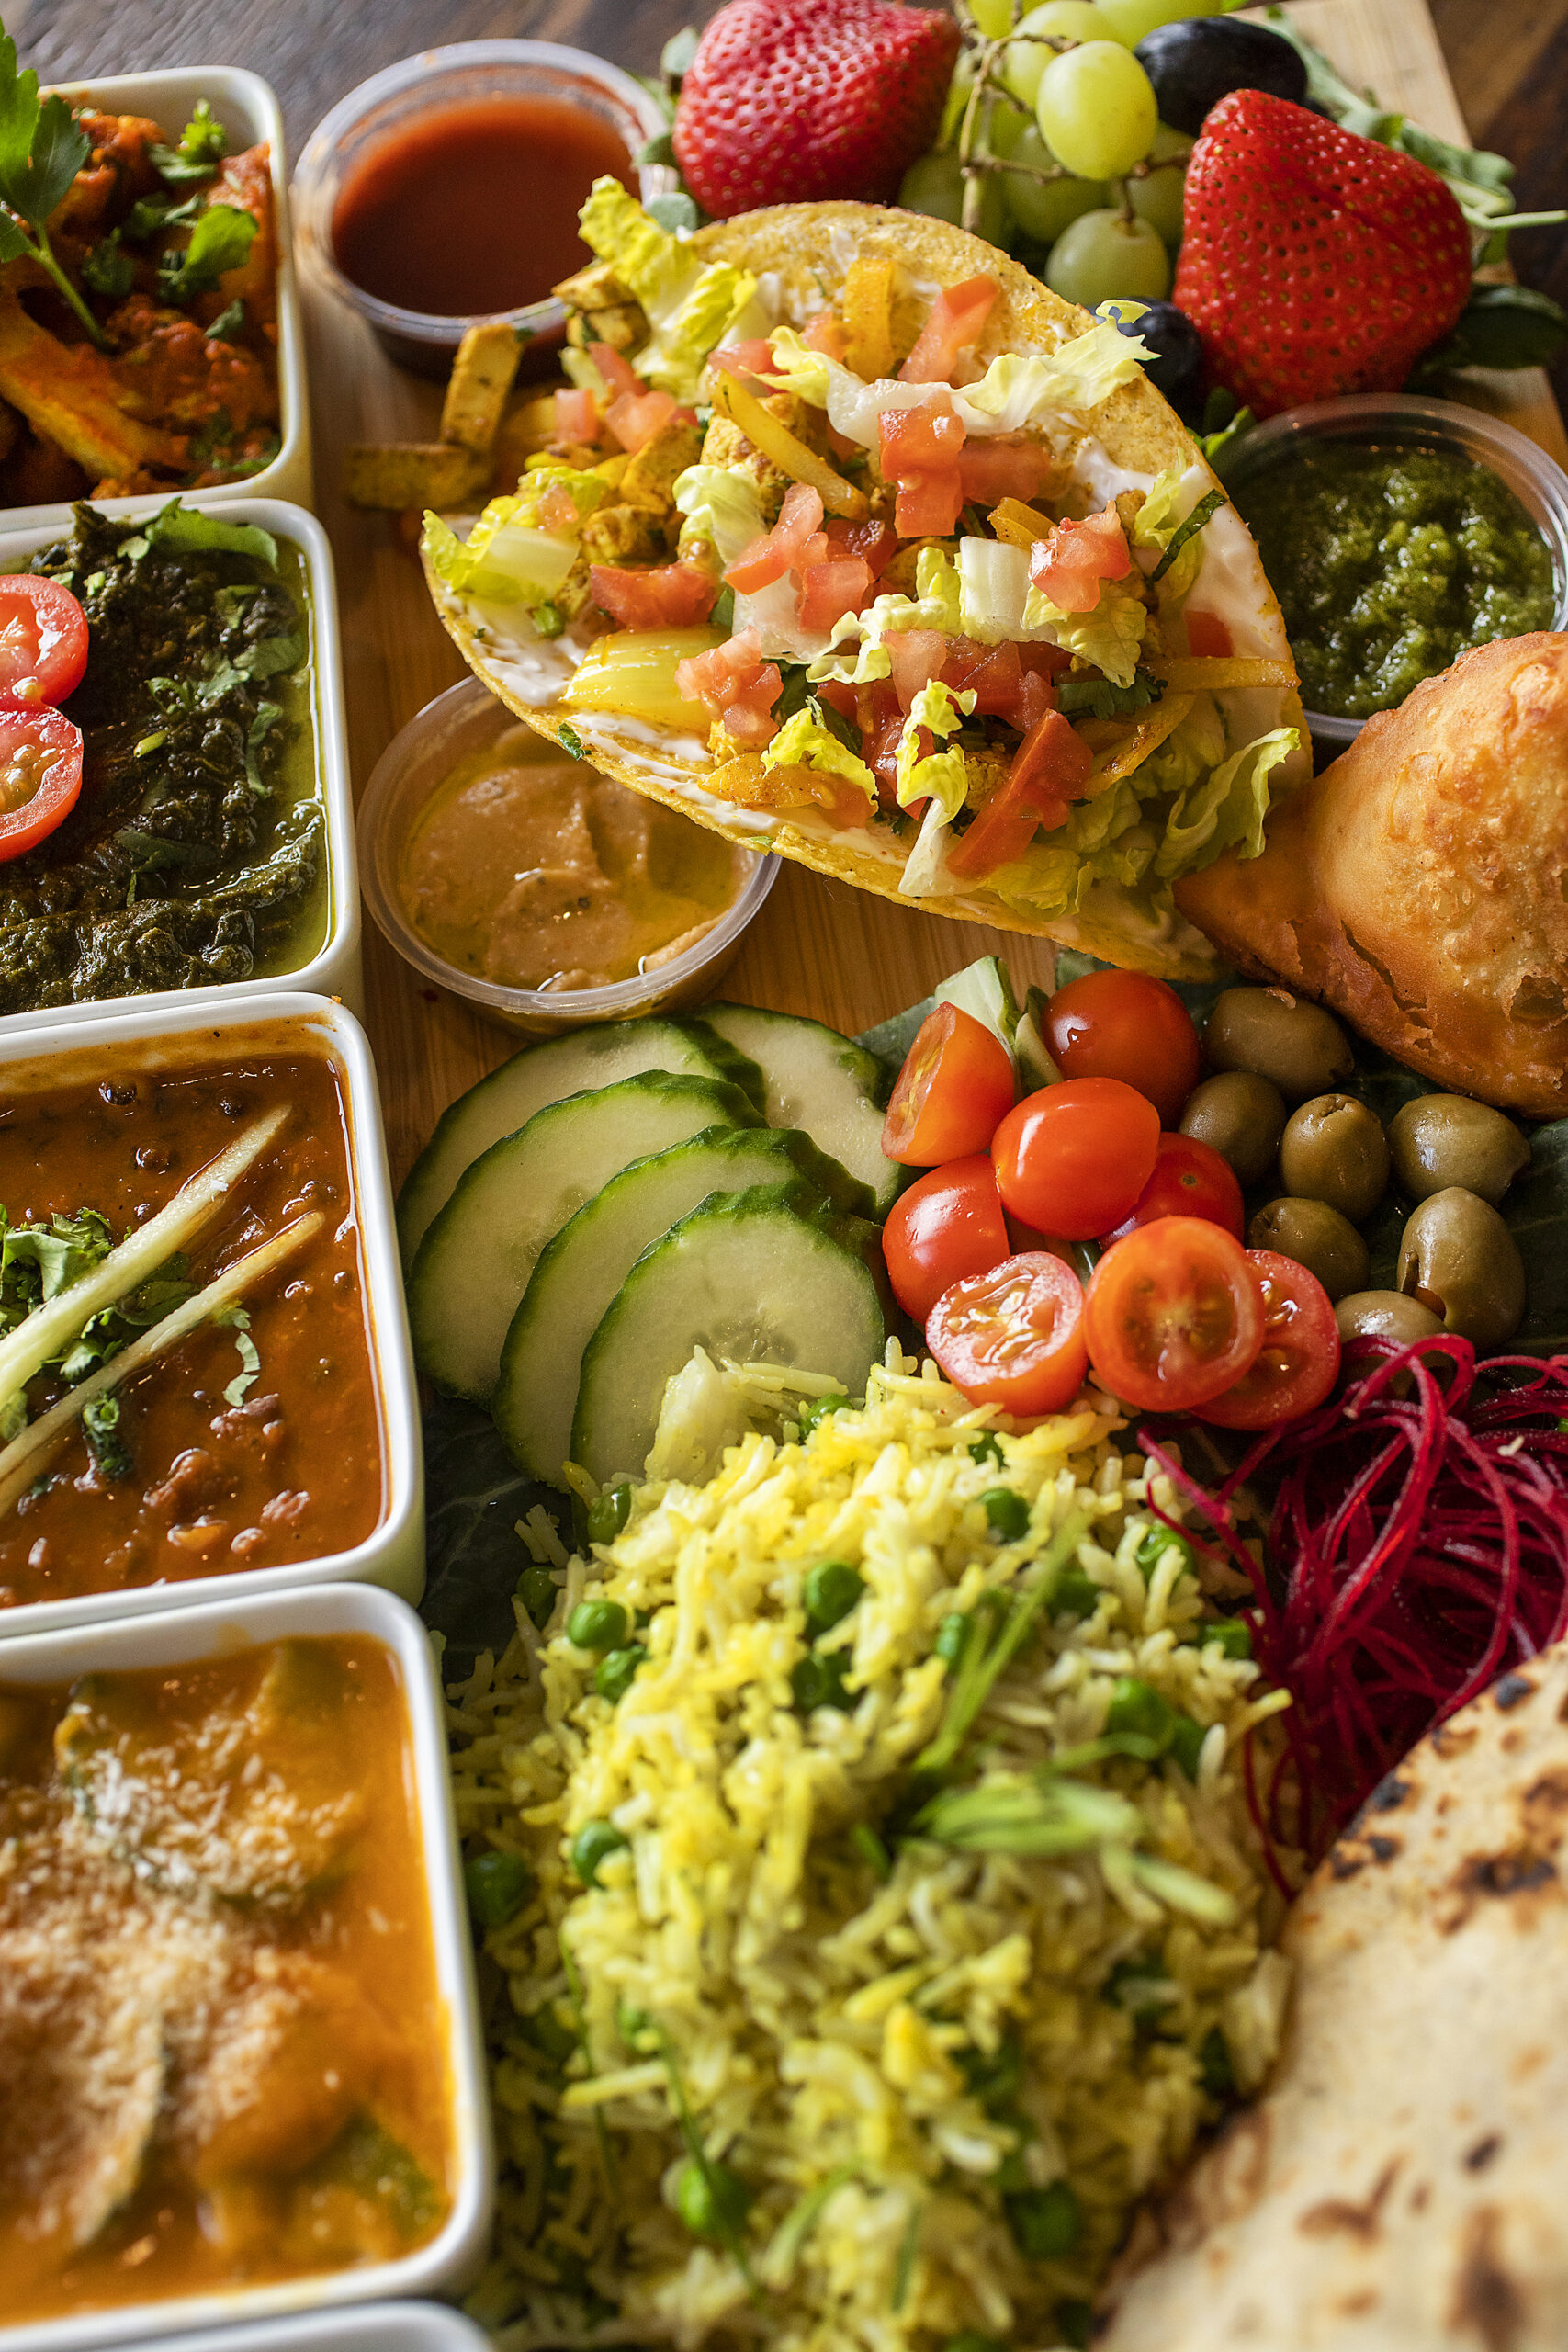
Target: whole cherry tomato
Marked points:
40	775
1174	1315
1013	1337
955	1084
1189	1180
949	1223
1125	1025
1073	1158
1298	1362
43	641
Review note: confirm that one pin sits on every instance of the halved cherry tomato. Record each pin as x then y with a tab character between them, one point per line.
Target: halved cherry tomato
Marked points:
947	1224
1174	1314
1126	1025
955	1084
1013	1337
1073	1158
43	641
40	775
1298	1362
1189	1180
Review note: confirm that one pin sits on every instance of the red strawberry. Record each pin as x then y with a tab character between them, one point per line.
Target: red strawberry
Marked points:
1313	262
789	101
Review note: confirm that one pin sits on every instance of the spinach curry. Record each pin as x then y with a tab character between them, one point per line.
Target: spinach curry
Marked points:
191	858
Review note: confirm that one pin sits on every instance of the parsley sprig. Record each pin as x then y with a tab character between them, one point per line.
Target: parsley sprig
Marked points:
42	147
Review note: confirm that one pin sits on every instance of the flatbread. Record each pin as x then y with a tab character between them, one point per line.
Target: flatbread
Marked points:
807	249
1401	2186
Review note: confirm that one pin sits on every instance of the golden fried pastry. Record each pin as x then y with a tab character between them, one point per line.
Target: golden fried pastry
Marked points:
1419	885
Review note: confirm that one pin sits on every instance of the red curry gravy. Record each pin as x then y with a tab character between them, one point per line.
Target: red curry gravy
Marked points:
294	1470
222	2054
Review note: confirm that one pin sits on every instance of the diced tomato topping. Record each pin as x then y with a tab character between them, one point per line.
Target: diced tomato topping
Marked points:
748	360
825	333
920	440
1068	567
1207	637
917	656
829	591
776	552
876	542
956	318
840	696
558	509
879	749
666	595
1050	767
928	506
736	686
618	372
1003	469
634	417
577	416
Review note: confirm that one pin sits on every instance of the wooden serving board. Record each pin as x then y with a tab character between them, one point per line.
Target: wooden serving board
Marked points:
818	948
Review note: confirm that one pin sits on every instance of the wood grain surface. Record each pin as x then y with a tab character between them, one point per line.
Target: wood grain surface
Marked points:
818	948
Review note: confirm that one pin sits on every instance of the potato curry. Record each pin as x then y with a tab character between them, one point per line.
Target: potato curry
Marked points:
220	2039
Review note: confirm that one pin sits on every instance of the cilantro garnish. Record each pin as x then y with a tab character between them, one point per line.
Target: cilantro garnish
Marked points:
571	741
229	323
1209	504
1098	698
239	1321
220	241
100	1426
203	145
106	270
42	147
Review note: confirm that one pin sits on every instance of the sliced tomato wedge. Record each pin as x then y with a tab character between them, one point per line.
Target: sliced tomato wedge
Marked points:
1189	1179
1299	1361
829	591
955	320
43	641
1072	1159
40	777
1013	1337
947	1224
997	468
1207	637
634	418
955	1085
777	551
577	417
1069	566
736	686
754	356
917	655
664	595
1050	767
1174	1315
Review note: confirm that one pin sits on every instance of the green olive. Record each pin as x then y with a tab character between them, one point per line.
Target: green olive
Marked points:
1459	1258
1443	1139
1279	1036
1384	1315
1242	1117
1317	1237
1334	1150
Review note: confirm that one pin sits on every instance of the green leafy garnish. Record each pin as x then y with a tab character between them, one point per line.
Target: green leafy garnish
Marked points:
42	147
230	322
220	241
267	716
106	270
993	1633
100	1426
150	213
1099	699
238	1319
1209	504
204	142
190	531
1500	326
572	743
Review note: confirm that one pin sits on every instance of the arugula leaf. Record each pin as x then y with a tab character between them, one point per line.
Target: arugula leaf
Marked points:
42	147
1100	699
203	145
106	270
220	241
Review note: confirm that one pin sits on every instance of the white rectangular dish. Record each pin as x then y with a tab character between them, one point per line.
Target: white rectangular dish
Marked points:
334	967
217	1629
249	111
372	2327
393	1554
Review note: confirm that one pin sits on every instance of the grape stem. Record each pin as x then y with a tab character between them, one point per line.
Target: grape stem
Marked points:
975	155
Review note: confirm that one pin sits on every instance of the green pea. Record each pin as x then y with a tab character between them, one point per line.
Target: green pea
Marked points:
1077	1595
950	1638
820	1682
1137	1706
1008	1512
608	1513
1157	1543
1214	2068
712	2201
1234	1636
545	2031
987	1447
1073	2320
597	1625
613	1675
498	1886
593	1844
1046	2222
817	1409
830	1593
1186	1739
537	1590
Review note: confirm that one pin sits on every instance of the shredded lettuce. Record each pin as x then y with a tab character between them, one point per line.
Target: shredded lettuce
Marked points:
689	306
507	557
937	590
672	359
993	585
1229	809
807	741
723	506
1192	750
940	775
1110	637
1156	521
648	260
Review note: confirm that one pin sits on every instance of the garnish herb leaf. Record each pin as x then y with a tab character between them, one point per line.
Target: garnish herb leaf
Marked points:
106	270
229	323
998	1628
220	241
42	147
150	213
1209	504
1099	699
203	145
267	716
100	1426
239	1387
572	742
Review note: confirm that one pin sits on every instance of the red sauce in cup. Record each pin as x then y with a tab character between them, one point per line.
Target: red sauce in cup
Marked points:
473	207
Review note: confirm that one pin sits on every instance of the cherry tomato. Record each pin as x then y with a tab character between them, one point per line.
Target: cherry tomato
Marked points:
947	1224
1013	1337
1189	1180
1174	1315
1073	1158
43	641
955	1084
1125	1025
1299	1358
40	775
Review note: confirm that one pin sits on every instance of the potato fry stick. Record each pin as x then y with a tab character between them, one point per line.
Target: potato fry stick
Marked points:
69	394
395	474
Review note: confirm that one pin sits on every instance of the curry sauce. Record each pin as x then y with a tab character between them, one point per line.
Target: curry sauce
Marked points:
252	1442
221	2037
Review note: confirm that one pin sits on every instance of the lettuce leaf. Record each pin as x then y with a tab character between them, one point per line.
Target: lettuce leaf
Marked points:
807	741
672	359
993	586
1230	807
646	259
1110	637
1014	392
507	557
722	505
689	306
1157	522
941	776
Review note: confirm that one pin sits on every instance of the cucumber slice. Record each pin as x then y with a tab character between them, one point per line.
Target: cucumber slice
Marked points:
820	1082
477	1253
508	1098
580	1271
1035	1068
755	1276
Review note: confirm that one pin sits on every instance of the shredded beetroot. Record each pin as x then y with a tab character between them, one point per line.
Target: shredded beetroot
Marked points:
1418	1548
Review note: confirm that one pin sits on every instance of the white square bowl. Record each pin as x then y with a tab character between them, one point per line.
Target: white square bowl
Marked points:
335	968
249	111
217	1628
393	1552
359	2327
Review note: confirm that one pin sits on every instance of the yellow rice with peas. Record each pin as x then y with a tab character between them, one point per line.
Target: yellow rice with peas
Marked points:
862	1981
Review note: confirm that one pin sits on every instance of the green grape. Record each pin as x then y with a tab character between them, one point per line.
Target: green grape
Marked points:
934	184
1043	208
1008	123
1102	255
1158	199
994	17
1024	61
1096	111
1130	19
